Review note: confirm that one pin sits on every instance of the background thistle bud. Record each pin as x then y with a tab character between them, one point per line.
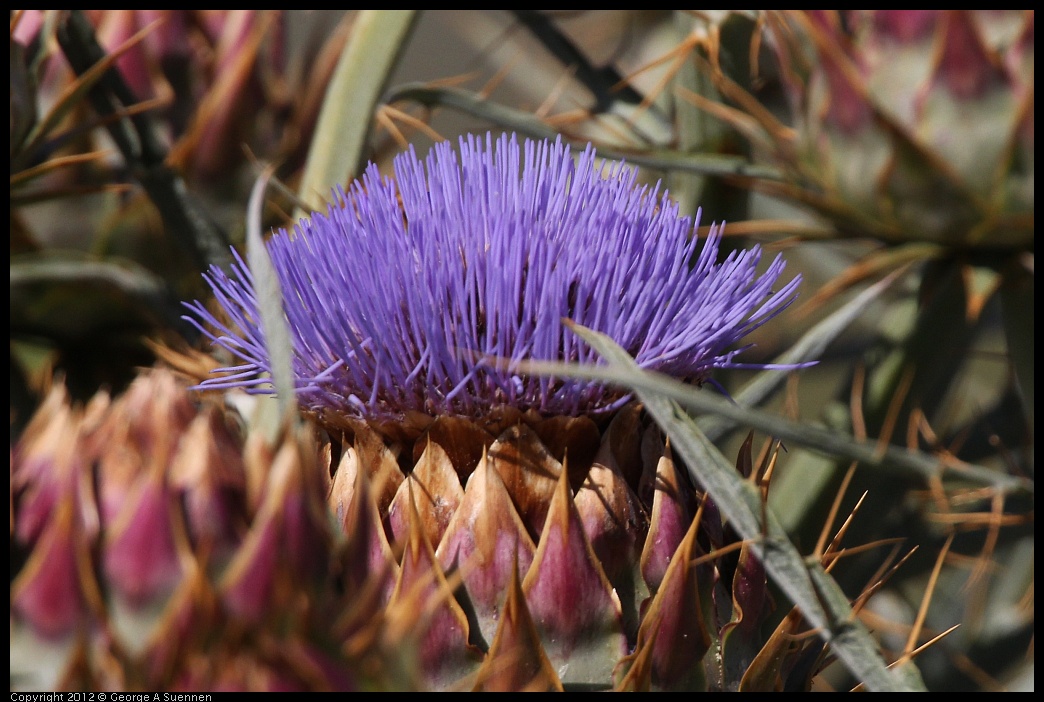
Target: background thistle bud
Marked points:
910	125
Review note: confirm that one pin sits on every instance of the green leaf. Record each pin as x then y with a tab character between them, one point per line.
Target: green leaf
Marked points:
273	319
370	54
820	599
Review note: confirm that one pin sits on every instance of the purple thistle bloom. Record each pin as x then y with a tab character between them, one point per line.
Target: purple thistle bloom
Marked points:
398	306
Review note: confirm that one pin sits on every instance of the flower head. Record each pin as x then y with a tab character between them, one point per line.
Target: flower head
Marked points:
398	298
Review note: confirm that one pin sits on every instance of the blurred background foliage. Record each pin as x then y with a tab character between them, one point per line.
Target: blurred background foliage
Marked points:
868	145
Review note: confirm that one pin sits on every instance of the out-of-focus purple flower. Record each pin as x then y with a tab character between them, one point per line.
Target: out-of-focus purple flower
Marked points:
398	298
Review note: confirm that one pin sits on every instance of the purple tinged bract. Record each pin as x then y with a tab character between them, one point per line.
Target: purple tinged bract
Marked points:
423	292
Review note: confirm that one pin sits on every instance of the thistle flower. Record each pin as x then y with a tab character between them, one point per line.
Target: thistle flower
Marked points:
424	297
552	503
